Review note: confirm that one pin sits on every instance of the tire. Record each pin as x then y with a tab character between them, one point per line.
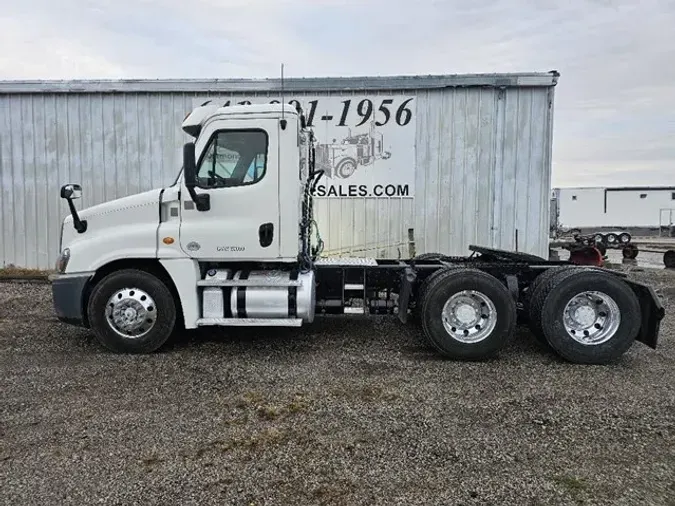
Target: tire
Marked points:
416	312
447	284
630	251
561	289
147	295
612	238
536	299
669	259
624	237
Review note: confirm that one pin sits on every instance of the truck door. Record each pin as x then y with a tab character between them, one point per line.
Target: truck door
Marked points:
238	167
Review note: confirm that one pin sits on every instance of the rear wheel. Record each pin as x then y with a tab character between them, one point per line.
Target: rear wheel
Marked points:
132	311
537	293
630	251
416	312
467	314
589	316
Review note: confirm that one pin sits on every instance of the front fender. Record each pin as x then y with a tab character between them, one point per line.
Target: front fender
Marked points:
98	248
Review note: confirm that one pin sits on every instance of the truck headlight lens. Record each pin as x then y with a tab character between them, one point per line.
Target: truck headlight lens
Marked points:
62	261
63	224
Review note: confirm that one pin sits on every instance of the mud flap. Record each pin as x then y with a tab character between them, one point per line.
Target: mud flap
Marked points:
652	312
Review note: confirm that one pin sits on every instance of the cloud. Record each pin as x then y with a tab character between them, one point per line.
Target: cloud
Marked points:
614	119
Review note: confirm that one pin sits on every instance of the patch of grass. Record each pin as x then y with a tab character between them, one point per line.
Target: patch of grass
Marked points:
249	399
573	485
150	462
572	482
258	440
298	406
11	271
268	412
267	437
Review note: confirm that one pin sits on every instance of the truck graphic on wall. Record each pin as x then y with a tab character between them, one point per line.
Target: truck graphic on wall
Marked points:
340	160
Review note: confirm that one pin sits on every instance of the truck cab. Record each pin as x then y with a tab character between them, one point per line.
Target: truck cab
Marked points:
246	197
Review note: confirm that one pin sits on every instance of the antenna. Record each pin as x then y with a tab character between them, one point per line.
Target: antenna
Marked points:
283	105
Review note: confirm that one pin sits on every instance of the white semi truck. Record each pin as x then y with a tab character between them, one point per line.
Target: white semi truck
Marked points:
230	243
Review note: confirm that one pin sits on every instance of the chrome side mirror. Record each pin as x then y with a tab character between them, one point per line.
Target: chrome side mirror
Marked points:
71	191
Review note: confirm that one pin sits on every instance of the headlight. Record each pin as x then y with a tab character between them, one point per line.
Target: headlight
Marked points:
63	224
62	261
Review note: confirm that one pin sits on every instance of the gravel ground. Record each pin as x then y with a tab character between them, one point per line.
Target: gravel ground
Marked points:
343	412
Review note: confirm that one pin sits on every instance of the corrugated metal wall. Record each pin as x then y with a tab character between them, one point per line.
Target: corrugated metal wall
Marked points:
482	169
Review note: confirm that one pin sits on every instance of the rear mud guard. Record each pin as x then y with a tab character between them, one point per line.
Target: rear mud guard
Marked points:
652	312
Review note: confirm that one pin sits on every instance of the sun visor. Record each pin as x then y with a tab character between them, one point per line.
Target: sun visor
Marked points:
192	124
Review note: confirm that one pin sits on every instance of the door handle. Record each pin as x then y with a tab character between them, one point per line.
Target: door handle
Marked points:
266	234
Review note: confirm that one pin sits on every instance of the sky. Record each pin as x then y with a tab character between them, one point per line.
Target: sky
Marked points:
614	103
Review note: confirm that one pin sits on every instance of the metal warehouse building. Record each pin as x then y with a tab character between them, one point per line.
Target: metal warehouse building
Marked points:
460	159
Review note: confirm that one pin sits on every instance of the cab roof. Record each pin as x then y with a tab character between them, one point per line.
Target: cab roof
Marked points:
195	119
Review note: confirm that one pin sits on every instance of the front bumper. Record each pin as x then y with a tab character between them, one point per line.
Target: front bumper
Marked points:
68	296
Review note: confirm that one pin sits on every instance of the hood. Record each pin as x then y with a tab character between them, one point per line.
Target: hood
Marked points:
137	201
133	209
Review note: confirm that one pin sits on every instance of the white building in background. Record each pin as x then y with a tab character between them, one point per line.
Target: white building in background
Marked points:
625	206
457	159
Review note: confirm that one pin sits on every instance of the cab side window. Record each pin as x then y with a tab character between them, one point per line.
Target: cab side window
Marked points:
233	158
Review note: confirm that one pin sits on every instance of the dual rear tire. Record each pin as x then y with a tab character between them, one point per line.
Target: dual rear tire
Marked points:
586	315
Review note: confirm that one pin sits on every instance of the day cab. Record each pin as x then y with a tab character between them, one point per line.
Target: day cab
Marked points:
230	243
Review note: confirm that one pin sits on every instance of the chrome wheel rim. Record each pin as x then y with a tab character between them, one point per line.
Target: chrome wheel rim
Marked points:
469	316
591	318
131	313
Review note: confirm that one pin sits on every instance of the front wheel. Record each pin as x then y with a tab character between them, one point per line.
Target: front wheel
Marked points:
132	311
467	314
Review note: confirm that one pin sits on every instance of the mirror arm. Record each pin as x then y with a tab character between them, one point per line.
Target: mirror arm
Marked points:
80	225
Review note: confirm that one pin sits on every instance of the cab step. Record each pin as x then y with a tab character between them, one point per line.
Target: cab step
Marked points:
250	322
249	282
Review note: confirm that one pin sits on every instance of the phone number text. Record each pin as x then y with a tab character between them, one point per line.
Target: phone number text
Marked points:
383	112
